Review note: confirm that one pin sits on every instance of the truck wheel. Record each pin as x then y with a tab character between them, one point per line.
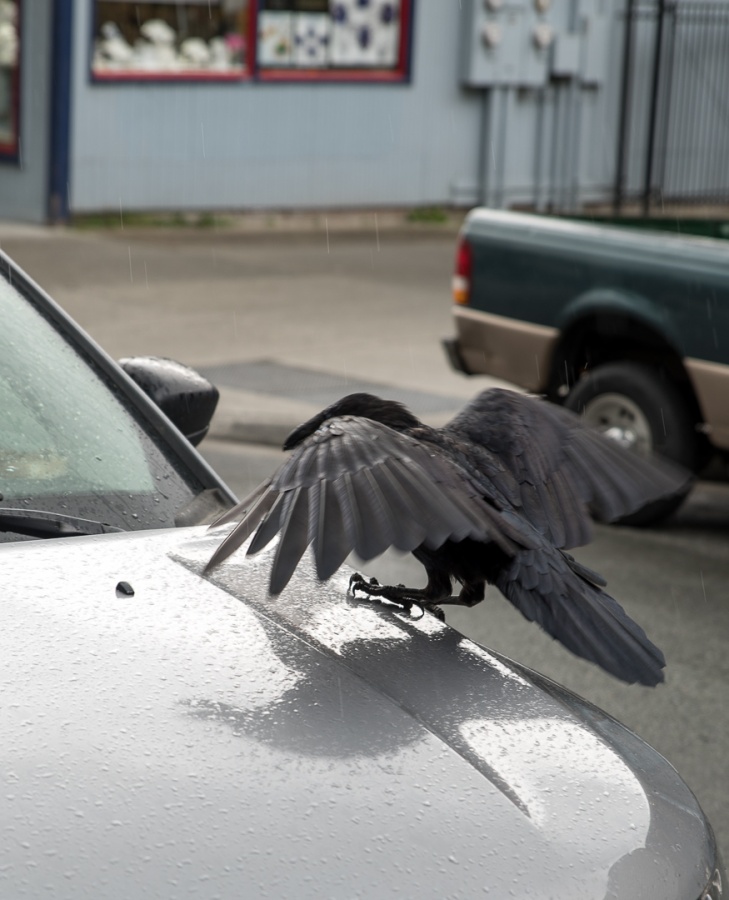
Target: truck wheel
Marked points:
630	404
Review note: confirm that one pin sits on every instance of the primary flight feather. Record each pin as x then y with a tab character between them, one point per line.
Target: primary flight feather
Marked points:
496	496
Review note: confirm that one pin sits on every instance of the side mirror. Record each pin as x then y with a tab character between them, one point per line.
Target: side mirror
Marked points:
182	394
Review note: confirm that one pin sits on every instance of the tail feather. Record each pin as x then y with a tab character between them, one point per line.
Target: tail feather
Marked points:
569	605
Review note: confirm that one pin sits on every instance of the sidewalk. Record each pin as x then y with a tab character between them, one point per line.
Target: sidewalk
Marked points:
283	323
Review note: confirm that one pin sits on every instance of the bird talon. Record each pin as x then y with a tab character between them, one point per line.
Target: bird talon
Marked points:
354	582
358	582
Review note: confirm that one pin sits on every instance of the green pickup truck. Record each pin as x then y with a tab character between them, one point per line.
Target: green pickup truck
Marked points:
630	328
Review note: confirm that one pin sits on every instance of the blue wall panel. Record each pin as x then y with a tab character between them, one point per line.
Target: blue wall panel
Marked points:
253	145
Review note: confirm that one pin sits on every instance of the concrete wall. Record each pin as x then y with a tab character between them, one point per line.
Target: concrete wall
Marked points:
24	184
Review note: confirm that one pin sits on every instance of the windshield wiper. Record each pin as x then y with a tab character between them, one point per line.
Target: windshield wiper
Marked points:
41	523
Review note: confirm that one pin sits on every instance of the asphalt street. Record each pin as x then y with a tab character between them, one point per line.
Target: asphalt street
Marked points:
285	322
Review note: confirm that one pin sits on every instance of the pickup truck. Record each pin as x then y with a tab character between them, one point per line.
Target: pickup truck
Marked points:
629	328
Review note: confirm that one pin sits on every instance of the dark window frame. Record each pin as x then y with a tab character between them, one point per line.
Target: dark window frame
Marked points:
10	150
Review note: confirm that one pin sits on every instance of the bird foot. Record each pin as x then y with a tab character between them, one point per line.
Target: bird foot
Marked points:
399	595
372	589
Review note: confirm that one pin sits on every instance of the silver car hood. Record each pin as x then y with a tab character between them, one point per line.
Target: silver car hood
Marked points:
202	739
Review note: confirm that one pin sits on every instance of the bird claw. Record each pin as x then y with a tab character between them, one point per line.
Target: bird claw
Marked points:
358	582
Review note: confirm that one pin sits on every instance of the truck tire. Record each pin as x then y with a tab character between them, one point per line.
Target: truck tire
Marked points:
630	403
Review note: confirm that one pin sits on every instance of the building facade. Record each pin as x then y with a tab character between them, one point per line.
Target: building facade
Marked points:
309	104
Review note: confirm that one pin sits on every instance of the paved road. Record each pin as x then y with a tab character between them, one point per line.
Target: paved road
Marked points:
369	308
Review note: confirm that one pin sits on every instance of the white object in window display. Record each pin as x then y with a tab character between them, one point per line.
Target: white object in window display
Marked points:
274	39
158	32
157	52
112	51
219	54
312	37
194	53
8	44
365	32
145	56
8	12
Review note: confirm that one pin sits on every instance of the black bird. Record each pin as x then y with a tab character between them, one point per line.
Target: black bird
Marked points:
495	496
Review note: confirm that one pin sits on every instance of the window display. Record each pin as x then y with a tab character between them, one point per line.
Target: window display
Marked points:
264	39
9	75
193	38
331	35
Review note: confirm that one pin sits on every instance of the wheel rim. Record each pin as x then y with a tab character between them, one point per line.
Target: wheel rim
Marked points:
621	420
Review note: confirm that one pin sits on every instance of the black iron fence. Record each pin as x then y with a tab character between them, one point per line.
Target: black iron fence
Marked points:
673	144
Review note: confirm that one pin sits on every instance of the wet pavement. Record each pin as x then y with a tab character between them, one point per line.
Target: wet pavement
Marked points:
283	324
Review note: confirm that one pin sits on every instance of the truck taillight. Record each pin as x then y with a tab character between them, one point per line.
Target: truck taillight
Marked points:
461	282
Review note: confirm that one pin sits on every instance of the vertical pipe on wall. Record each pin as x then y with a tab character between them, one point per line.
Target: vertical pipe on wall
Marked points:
720	145
492	146
538	198
683	105
484	134
574	198
653	109
666	105
506	96
624	108
554	188
565	163
60	88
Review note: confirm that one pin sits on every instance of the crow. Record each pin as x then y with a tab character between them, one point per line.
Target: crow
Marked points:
496	496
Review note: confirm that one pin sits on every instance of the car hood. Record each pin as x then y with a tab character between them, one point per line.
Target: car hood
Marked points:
201	738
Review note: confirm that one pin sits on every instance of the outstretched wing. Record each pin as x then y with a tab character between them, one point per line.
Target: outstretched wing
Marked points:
357	485
552	589
564	470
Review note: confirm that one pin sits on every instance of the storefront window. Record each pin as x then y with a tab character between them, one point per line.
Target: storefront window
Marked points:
268	39
9	76
331	36
190	39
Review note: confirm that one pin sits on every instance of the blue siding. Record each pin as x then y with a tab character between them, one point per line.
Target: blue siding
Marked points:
248	145
253	145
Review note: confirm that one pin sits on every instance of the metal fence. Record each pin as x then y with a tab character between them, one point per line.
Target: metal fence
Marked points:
673	144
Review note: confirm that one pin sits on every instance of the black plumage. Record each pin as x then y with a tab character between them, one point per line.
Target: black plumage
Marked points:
495	496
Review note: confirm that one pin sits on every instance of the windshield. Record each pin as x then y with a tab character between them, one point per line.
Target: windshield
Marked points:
69	443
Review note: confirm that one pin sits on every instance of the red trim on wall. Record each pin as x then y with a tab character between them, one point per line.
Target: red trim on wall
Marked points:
330	75
183	75
11	149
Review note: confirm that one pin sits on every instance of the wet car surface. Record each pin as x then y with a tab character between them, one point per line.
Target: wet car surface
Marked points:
198	738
